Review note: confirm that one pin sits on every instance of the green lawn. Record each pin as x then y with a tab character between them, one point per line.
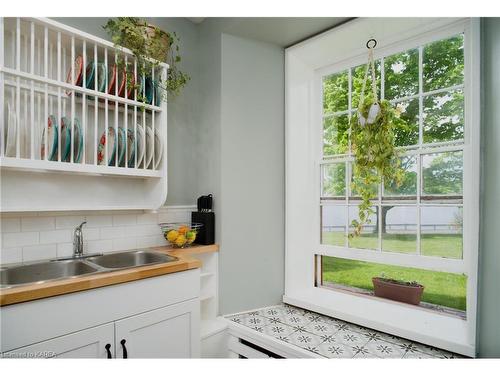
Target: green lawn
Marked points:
441	288
439	245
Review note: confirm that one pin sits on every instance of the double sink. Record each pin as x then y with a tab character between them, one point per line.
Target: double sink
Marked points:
56	269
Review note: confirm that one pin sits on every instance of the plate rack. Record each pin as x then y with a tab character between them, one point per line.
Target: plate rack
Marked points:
60	89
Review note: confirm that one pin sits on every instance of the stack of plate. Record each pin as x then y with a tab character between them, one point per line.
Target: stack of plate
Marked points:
52	140
147	87
143	144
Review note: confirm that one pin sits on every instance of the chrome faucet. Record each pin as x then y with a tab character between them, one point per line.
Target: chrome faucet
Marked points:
78	241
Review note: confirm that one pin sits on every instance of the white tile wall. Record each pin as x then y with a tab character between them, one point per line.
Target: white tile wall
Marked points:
27	237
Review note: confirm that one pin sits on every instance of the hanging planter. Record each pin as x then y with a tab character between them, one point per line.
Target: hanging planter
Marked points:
372	137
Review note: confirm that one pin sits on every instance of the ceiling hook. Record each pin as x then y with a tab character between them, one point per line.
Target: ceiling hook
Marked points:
371	44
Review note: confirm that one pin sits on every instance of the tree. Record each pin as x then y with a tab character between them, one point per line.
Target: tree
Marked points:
444	174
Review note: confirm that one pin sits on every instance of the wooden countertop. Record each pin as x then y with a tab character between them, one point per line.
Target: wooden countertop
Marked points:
24	293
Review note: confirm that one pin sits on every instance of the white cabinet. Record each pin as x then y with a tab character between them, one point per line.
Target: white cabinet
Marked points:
89	343
170	332
158	317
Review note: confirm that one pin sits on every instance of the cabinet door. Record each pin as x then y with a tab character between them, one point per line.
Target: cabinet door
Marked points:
89	343
169	332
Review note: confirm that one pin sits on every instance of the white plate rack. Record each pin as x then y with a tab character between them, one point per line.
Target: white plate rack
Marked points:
60	88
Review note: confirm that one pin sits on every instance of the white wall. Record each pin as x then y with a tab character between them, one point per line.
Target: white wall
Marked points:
252	174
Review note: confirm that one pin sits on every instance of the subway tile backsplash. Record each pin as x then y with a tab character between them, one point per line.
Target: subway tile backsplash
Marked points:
27	237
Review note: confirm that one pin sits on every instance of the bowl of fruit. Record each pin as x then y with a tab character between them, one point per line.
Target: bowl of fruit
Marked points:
180	234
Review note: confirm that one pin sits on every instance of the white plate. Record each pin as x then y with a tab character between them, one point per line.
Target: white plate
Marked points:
10	137
140	144
158	149
149	146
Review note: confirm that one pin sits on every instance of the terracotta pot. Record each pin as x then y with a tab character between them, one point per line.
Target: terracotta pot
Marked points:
401	292
149	33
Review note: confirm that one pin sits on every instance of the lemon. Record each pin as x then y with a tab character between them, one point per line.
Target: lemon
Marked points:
172	235
183	229
181	240
191	236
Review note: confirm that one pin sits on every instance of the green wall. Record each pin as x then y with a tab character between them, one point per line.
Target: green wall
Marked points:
489	248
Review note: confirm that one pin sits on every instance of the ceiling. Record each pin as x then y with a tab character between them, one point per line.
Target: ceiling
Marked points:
283	31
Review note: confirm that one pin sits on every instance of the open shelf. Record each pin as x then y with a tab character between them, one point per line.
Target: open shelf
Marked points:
70	112
54	166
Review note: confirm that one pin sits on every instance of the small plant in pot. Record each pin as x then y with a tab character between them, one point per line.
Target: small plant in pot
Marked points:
398	290
150	45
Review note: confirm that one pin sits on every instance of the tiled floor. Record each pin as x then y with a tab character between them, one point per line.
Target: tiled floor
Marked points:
332	338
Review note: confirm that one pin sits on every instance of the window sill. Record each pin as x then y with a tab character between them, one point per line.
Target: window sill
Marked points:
442	310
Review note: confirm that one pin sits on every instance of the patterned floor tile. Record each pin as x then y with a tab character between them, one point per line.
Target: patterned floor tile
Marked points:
250	320
330	337
382	349
327	338
362	352
321	328
276	319
418	355
296	320
277	330
318	318
271	312
299	328
390	338
448	355
335	350
350	338
344	326
305	340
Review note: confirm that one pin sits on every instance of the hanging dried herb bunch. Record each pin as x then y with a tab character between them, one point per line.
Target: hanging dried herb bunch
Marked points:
376	158
149	42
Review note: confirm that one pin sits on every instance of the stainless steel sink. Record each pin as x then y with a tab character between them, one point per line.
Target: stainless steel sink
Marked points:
130	259
37	272
54	269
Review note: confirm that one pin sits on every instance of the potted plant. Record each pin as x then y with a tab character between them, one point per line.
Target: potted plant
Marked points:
148	42
398	290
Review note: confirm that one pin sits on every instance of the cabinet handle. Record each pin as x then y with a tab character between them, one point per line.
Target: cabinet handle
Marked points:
124	348
108	346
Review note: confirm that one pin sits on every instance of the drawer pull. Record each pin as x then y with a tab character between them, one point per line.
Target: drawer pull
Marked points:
108	346
124	348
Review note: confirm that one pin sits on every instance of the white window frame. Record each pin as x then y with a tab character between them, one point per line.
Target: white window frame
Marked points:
306	65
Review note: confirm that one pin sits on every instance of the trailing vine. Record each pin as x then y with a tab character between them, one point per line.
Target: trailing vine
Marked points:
150	46
375	156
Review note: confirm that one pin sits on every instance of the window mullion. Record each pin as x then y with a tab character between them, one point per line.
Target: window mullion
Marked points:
420	143
382	79
380	186
348	174
349	107
420	97
347	195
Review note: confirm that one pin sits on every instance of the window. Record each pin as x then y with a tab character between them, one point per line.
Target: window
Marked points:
426	229
422	217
